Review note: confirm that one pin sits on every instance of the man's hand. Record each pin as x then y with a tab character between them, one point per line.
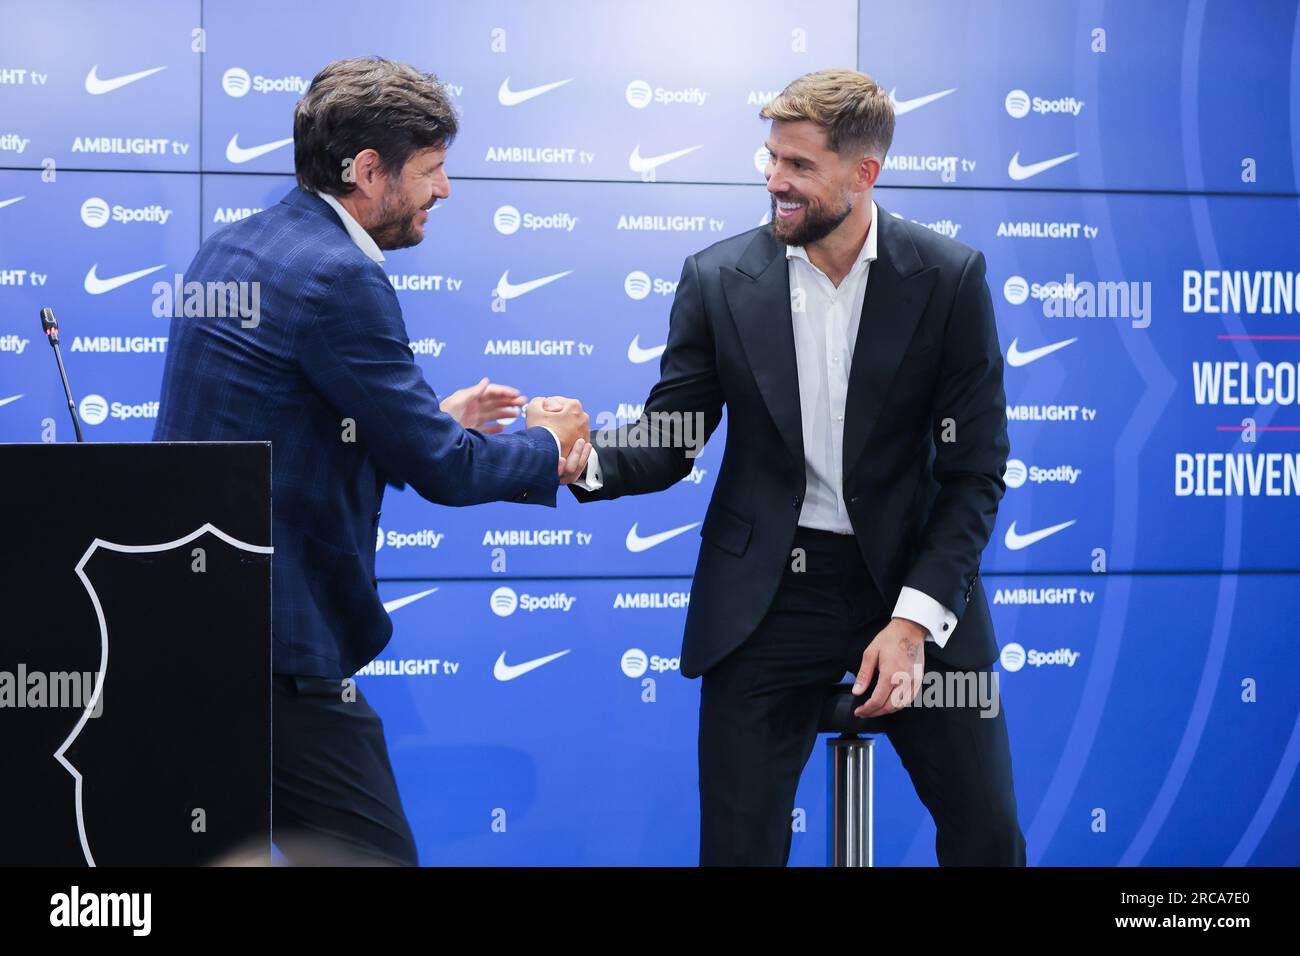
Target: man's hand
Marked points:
484	402
898	653
571	425
574	466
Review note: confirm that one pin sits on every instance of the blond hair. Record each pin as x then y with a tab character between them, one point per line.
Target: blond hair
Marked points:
856	113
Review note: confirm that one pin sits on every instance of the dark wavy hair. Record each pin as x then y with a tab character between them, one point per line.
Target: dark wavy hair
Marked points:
367	103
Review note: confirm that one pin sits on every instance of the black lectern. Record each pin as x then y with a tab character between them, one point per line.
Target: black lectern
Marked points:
135	653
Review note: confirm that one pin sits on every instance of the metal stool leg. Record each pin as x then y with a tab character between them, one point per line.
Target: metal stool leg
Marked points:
851	795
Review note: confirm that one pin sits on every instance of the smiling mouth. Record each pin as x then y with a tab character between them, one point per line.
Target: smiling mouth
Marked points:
787	209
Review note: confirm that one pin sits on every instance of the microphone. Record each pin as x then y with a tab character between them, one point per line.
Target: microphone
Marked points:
50	326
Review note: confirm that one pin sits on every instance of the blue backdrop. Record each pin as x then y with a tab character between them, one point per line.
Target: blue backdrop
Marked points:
1151	693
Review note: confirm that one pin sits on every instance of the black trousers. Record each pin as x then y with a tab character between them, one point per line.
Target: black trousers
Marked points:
759	709
334	799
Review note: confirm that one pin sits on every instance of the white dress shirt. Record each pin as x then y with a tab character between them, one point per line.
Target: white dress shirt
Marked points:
825	319
366	243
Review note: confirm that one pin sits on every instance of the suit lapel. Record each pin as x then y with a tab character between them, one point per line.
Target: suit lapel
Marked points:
897	292
758	293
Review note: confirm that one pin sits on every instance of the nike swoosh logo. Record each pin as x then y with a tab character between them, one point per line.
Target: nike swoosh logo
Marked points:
638	355
508	290
637	543
97	286
97	87
1018	172
1016	541
11	398
10	202
503	671
1017	358
916	102
393	605
243	154
509	97
643	164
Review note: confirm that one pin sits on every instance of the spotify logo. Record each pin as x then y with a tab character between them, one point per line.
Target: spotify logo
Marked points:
1016	290
637	285
504	601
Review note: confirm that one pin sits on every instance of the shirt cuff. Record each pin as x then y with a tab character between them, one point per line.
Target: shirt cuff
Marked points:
918	606
558	447
591	481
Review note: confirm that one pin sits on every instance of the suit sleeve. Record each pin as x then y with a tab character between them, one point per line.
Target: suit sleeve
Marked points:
971	447
358	358
653	452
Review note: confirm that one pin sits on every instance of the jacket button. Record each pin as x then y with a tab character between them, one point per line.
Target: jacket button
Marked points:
795	501
855	499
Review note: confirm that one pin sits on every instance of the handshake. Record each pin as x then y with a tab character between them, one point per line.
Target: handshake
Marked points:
484	405
570	424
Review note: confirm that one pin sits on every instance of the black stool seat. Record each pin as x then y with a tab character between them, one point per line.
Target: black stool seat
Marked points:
837	714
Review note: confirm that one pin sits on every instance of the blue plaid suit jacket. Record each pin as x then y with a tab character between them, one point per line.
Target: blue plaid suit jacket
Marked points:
329	345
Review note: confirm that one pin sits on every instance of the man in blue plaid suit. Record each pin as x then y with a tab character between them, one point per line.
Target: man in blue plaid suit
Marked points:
325	372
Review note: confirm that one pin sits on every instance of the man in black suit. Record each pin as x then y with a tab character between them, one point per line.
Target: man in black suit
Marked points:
858	359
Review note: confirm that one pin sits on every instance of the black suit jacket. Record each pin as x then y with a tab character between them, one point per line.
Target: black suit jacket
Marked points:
925	434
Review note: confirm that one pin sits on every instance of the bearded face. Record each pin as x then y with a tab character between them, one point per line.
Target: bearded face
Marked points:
799	220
